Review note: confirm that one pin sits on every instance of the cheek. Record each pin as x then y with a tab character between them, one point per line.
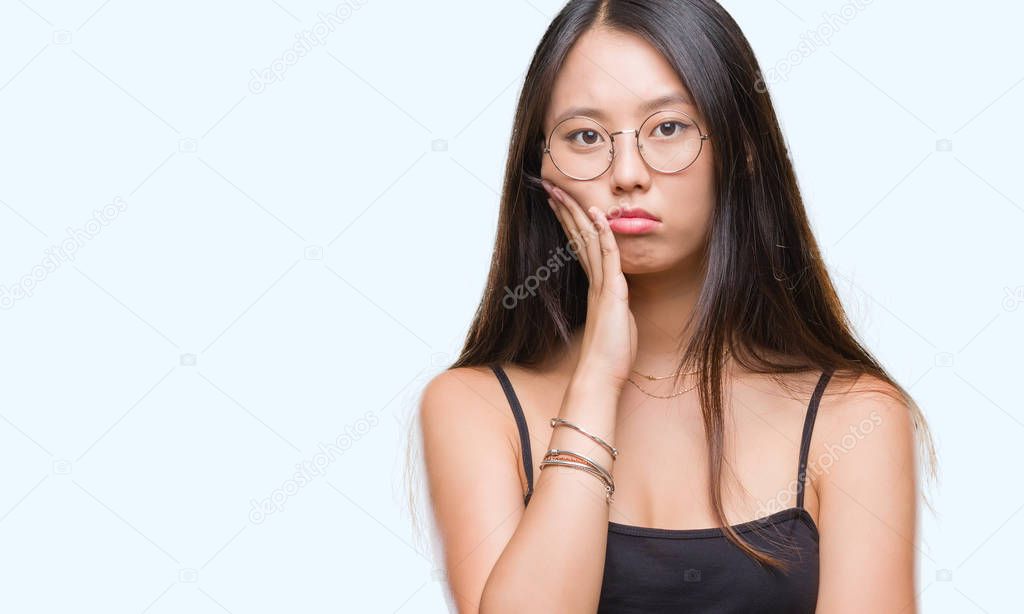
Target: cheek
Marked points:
584	192
693	197
547	170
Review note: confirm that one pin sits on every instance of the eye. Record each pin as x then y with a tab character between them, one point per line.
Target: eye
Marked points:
590	138
670	129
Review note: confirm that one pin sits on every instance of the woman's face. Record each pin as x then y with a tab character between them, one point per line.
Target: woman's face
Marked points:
617	73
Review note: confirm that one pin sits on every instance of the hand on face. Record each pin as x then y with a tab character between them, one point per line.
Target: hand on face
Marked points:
610	336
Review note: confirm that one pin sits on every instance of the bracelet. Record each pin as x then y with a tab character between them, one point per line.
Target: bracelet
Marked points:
568	461
581	462
604	472
609	489
607	446
595	472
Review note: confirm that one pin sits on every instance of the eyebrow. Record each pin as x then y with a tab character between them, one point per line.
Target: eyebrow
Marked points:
650	105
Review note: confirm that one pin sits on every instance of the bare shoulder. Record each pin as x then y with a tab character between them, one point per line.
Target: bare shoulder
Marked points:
465	399
850	400
864	418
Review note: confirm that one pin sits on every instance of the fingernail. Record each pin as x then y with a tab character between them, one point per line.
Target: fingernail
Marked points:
546	184
551	203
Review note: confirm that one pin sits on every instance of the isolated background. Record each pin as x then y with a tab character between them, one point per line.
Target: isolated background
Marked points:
279	266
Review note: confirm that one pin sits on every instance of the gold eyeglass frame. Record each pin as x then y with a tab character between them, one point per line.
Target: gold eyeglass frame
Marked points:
636	135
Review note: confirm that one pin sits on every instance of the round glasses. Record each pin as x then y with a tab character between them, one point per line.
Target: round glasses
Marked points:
669	142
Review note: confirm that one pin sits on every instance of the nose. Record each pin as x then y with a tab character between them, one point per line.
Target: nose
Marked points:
629	171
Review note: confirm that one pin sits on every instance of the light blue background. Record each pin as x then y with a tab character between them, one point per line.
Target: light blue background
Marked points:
284	264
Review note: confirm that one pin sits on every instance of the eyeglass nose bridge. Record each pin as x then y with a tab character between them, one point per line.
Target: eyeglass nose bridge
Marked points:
636	134
611	150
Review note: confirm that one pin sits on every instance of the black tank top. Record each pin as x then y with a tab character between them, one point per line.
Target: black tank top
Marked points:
649	570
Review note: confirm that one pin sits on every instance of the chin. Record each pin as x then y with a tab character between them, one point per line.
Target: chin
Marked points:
633	264
641	267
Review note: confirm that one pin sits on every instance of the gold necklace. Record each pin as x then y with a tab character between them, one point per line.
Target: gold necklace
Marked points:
658	396
661	377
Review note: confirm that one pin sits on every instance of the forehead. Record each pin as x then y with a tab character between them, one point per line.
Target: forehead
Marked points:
615	76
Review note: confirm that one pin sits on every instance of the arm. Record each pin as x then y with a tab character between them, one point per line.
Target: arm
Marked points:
500	556
868	506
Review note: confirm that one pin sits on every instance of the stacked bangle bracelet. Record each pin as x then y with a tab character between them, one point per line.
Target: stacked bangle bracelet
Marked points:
567	458
604	444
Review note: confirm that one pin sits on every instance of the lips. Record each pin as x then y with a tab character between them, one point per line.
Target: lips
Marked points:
633	222
636	213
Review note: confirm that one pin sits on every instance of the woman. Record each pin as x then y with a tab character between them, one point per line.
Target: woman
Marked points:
660	406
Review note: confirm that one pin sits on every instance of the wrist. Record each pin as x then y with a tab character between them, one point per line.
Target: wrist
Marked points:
590	384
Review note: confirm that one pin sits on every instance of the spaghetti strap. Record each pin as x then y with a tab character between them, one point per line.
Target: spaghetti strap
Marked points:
805	441
524	432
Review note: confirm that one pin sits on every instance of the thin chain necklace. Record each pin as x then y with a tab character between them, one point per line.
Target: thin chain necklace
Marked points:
660	377
656	378
659	396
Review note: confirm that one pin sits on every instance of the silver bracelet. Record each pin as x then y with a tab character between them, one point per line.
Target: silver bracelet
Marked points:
604	472
609	488
607	446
